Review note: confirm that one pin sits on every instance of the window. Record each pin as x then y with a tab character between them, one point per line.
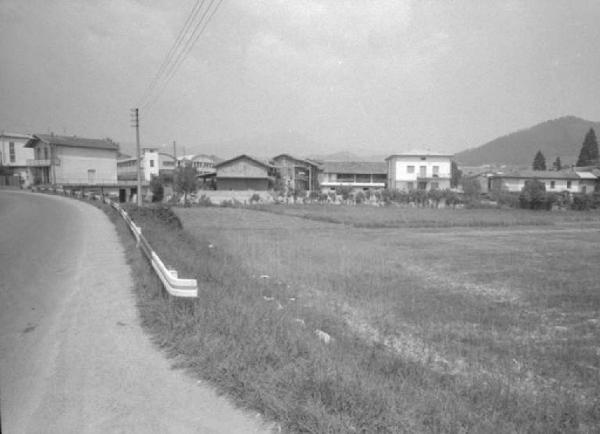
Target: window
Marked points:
568	184
423	171
45	153
410	169
151	163
436	171
345	177
11	150
552	184
364	178
423	158
410	185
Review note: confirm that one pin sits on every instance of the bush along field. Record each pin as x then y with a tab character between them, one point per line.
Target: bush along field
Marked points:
332	327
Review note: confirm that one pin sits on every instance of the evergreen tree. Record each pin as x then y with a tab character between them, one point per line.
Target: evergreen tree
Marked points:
455	174
589	150
557	165
539	162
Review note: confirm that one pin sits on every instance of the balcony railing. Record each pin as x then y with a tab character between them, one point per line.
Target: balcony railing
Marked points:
39	163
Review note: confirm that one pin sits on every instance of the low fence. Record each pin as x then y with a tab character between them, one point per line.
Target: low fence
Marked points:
173	284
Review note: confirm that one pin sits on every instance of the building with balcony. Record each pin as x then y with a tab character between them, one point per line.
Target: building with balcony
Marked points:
359	175
153	163
14	156
419	169
72	160
296	173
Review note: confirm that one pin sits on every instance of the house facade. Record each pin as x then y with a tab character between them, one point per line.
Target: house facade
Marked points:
14	156
153	163
73	160
571	181
359	175
296	173
244	173
419	170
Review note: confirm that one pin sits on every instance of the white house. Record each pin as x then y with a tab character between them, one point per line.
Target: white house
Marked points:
572	181
72	160
153	163
14	155
419	169
204	164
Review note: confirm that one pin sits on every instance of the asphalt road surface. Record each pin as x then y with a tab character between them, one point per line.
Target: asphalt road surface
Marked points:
73	356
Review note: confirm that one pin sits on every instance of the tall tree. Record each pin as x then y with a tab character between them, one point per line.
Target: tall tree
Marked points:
185	180
539	161
557	165
455	174
589	150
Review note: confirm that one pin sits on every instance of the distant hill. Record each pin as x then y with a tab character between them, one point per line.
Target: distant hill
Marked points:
560	137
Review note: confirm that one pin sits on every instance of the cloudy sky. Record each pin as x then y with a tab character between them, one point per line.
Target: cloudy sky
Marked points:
320	75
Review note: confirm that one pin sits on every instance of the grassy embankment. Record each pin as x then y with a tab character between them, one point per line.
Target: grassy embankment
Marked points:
484	330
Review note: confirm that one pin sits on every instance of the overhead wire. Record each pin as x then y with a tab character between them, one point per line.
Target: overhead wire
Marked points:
176	60
187	25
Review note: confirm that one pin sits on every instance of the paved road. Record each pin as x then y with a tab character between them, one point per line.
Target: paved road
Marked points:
73	357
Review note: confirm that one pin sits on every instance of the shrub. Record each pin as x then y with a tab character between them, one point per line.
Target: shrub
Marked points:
533	195
255	198
204	201
359	197
581	202
157	189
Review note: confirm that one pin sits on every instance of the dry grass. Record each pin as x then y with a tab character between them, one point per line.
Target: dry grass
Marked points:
394	216
492	329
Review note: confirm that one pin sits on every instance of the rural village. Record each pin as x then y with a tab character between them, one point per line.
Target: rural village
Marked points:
433	178
336	217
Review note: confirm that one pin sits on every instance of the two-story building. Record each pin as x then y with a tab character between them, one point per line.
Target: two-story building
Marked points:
65	160
296	173
358	175
244	173
419	169
14	155
153	163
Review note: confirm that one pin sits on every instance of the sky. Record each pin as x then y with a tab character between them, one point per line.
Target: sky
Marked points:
303	76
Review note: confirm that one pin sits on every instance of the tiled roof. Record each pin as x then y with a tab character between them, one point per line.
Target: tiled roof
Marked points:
420	153
291	157
355	167
239	157
546	174
72	141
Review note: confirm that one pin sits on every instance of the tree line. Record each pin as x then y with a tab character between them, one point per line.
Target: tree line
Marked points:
588	155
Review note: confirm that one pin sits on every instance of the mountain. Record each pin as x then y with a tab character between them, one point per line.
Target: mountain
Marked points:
560	137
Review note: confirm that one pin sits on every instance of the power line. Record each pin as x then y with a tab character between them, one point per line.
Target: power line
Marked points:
198	31
187	25
170	71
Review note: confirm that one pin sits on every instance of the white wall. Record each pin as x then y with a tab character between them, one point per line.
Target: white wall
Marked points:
75	164
403	163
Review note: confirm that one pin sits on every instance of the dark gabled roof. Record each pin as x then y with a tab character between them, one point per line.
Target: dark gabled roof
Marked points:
420	153
540	174
247	157
355	167
73	142
301	160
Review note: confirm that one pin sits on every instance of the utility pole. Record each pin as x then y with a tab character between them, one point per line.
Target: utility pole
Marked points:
175	151
136	124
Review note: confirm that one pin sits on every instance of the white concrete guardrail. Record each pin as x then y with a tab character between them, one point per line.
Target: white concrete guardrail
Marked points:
173	284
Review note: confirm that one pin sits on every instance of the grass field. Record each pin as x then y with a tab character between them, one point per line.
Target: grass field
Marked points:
474	322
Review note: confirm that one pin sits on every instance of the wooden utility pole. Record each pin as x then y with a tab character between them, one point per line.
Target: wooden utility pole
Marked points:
136	124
